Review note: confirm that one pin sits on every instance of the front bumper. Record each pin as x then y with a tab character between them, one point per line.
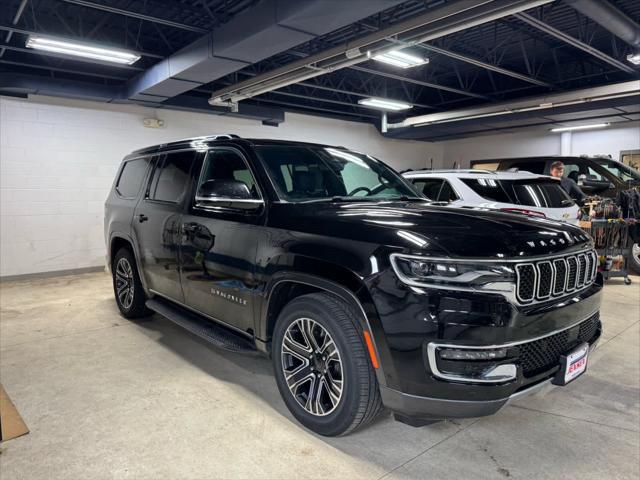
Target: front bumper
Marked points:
429	408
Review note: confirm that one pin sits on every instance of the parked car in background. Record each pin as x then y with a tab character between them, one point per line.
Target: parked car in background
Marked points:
600	176
514	192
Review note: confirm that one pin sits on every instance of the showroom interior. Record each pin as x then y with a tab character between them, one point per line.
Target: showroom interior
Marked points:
444	88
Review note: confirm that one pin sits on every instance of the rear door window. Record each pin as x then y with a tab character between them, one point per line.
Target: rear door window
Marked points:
447	193
429	187
544	193
489	189
171	177
131	177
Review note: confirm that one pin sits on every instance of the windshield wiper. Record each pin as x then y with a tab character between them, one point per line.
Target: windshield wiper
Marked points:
336	198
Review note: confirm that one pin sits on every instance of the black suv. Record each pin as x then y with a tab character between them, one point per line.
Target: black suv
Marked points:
363	293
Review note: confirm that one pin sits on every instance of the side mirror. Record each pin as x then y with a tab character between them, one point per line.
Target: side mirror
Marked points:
228	193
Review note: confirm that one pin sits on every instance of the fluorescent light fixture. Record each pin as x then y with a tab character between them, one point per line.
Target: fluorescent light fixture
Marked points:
76	49
580	127
401	59
634	58
384	104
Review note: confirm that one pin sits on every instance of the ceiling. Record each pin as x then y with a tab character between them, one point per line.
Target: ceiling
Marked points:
503	60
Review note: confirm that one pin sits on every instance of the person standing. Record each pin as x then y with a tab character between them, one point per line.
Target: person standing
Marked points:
569	186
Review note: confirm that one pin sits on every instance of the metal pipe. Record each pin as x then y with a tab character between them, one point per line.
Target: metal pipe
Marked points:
549	30
16	19
605	14
450	18
140	16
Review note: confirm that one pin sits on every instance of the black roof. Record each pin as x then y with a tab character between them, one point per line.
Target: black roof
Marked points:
205	141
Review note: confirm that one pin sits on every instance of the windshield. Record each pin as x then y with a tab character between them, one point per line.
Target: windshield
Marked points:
309	173
620	170
544	193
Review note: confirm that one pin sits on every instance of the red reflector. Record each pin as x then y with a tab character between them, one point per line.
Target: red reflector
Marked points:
524	211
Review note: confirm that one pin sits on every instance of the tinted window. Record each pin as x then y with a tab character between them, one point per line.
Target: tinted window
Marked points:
226	164
545	193
171	177
488	188
620	170
302	173
133	173
429	187
447	194
533	167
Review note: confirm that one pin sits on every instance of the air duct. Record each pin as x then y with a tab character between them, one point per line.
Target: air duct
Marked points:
605	14
268	28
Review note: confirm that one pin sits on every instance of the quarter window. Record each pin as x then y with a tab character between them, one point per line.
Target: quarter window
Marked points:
171	177
429	187
131	177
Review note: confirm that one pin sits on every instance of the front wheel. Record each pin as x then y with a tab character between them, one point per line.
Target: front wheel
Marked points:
322	369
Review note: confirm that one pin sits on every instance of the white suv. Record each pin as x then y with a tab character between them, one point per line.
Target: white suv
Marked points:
516	192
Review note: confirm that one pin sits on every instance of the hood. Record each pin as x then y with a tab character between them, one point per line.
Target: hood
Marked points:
423	227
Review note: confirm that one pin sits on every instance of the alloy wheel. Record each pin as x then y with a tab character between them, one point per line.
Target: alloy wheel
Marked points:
124	283
312	366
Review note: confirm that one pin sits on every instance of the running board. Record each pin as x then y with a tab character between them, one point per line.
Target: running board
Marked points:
208	330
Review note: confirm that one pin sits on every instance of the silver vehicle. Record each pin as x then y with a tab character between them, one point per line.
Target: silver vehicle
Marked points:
515	192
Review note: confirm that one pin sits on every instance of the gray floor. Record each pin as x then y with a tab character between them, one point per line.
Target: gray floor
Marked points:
108	398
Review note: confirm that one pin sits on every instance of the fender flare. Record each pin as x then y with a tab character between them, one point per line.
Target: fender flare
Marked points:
368	318
127	238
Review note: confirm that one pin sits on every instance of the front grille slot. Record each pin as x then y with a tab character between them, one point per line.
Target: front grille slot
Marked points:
545	279
556	277
561	276
541	355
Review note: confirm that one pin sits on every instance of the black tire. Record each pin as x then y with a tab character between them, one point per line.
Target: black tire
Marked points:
359	401
132	302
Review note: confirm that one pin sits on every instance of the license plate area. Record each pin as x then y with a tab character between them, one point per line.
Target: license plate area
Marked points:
572	365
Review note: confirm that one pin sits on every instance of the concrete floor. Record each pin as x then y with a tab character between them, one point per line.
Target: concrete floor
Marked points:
108	398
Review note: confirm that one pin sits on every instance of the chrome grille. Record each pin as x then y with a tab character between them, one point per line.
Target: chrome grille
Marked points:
538	281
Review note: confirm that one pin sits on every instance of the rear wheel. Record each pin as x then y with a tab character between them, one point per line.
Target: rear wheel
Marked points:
130	296
322	369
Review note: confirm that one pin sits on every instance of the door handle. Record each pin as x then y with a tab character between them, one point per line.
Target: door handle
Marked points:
142	218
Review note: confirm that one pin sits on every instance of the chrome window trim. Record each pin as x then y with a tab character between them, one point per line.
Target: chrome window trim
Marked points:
432	348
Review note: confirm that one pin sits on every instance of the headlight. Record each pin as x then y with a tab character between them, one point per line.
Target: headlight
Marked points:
425	271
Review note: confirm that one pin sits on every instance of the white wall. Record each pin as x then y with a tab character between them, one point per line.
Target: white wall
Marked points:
607	141
58	158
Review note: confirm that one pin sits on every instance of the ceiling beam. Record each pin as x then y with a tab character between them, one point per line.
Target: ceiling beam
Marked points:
62	70
418	82
140	16
485	65
554	32
16	19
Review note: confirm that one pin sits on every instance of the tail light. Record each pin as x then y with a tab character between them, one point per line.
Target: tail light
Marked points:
524	211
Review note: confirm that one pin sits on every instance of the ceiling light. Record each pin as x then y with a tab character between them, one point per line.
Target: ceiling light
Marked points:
634	58
580	127
384	104
400	59
83	50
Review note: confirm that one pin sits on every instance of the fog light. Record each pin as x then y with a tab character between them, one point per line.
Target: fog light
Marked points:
457	354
